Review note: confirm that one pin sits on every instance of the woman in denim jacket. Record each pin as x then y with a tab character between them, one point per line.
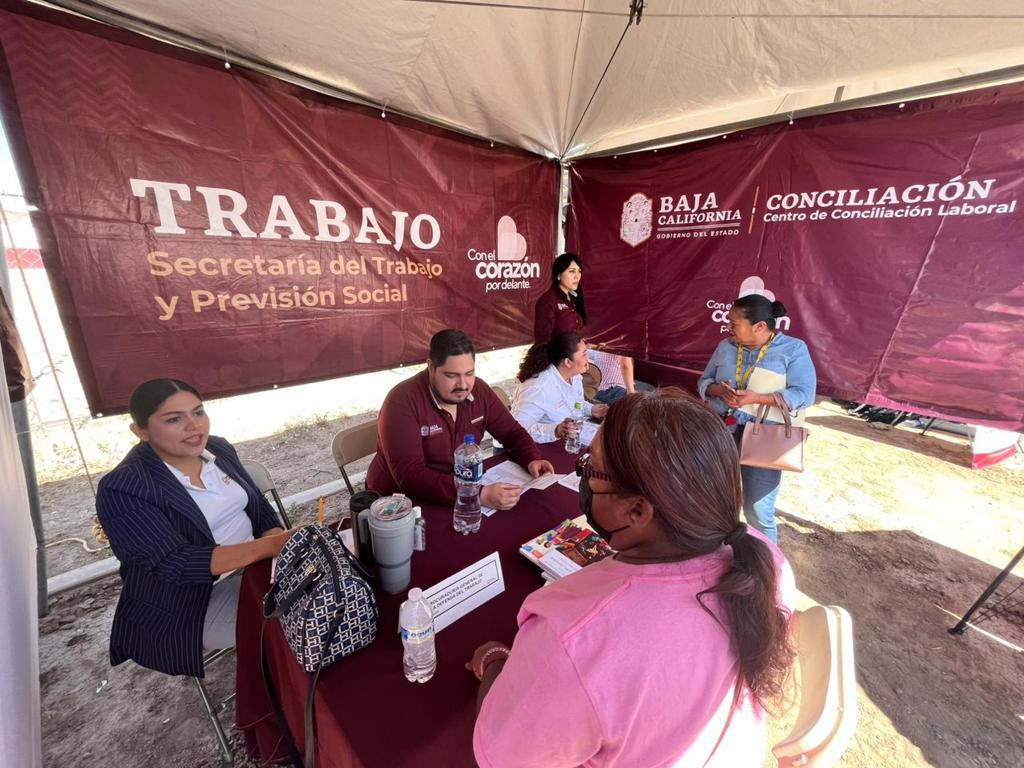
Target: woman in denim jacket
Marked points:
743	372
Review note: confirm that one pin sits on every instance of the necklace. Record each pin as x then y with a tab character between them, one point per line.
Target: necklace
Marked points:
743	378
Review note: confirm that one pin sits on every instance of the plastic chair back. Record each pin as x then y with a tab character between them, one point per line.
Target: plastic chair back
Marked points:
827	716
265	484
503	396
592	382
352	444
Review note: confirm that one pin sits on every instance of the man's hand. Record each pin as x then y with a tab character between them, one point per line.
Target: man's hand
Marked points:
500	495
598	411
540	467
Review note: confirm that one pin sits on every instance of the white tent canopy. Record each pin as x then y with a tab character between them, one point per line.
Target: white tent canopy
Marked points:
522	72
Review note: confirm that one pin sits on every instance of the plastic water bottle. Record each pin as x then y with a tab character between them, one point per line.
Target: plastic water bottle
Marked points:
572	444
469	471
416	618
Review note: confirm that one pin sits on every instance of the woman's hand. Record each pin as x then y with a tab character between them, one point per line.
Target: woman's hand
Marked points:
230	557
722	390
565	429
743	397
599	411
487	654
276	538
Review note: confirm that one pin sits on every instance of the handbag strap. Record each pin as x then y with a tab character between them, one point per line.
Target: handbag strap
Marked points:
282	721
310	711
780	403
764	408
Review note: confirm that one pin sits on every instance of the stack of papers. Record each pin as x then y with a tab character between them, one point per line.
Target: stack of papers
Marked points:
512	473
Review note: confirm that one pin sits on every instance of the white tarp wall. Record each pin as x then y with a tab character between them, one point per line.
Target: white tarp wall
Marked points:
20	733
522	72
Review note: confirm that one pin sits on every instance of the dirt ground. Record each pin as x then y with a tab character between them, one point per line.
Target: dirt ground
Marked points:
890	524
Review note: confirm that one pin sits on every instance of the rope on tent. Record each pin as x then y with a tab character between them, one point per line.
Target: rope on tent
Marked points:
46	347
83	542
636	10
492	4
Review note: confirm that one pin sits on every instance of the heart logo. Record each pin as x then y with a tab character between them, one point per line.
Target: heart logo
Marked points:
755	284
511	245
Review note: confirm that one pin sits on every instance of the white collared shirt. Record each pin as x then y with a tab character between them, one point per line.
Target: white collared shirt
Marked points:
222	501
545	401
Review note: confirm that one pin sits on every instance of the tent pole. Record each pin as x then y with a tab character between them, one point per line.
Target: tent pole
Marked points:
19	411
562	216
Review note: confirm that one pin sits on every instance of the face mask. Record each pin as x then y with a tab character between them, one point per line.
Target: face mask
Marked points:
586	507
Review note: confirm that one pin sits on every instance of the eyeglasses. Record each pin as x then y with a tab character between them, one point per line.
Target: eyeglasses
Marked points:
583	469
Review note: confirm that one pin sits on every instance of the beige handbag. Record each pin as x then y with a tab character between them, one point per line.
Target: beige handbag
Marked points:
773	446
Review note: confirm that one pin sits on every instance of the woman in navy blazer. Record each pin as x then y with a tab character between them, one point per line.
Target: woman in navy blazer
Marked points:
169	557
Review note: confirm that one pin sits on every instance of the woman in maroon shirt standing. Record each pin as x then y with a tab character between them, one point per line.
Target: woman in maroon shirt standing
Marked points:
561	310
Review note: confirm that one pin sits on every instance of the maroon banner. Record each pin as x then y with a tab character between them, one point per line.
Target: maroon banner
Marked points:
240	233
893	235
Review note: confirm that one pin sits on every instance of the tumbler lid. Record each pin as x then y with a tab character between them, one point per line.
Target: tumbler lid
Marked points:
389	508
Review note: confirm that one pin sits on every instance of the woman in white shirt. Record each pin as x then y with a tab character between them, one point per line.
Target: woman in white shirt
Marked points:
552	384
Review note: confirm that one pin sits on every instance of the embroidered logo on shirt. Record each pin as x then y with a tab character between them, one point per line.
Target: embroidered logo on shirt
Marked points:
433	429
563	306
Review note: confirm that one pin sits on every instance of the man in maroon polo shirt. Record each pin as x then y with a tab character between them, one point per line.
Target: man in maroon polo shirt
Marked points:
425	418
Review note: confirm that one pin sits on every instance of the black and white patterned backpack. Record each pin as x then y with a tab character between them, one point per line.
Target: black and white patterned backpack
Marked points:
322	596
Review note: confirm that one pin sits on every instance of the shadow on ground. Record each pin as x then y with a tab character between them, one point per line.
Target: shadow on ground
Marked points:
899	587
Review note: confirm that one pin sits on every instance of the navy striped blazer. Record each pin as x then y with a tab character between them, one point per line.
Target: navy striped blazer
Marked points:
164	544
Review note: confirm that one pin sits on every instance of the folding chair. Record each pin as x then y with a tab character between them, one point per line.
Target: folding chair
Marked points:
265	484
227	757
503	396
353	444
828	690
592	382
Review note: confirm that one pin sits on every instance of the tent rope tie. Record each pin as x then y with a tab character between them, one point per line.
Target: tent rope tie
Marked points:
46	349
633	14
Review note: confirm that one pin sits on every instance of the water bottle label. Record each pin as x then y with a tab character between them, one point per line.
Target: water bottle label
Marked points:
417	635
469	473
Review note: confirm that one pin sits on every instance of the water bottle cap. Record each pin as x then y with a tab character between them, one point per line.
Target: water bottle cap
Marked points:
415	594
579	406
470	439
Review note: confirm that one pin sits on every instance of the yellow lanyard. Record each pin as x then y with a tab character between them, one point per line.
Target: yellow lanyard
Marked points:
741	380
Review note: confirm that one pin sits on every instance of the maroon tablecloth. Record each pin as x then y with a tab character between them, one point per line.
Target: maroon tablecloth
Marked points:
367	713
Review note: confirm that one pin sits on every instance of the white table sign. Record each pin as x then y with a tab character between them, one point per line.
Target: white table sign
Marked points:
460	593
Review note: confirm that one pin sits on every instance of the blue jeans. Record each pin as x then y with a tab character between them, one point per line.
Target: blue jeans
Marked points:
760	489
610	395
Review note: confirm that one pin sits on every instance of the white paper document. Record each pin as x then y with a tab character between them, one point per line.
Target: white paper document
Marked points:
571	481
512	473
460	593
546	481
588	432
507	472
558	564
